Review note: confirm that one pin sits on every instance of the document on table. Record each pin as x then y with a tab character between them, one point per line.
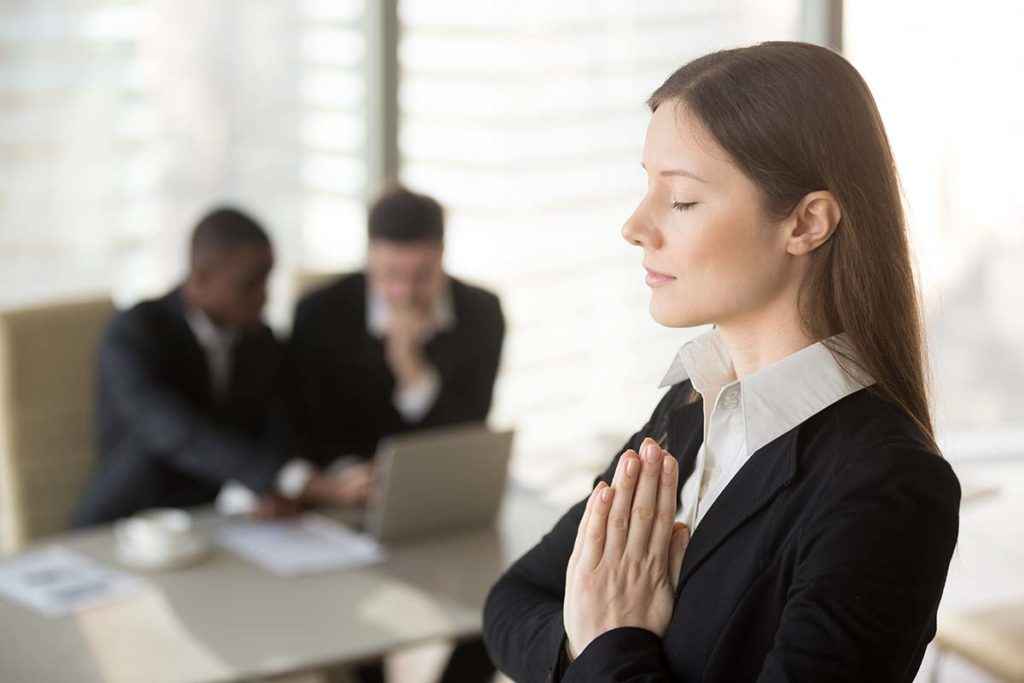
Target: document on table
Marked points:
307	545
57	581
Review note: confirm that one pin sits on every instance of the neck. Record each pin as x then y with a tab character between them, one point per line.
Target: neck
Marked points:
194	302
757	340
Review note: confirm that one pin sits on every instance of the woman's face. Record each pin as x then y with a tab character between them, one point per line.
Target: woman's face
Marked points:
711	253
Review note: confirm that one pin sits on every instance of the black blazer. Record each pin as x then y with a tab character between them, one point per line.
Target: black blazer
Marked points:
823	560
342	396
163	439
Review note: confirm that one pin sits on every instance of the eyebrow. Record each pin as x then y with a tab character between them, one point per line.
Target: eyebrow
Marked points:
677	172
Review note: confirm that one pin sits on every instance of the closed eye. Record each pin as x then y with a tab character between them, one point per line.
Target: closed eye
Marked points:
683	206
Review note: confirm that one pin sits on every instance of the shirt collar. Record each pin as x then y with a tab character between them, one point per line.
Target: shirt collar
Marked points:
378	312
776	398
206	332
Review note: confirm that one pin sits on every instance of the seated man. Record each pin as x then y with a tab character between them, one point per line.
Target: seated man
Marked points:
189	389
401	347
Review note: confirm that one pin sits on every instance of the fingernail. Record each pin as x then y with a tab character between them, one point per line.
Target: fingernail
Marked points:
631	467
606	495
668	463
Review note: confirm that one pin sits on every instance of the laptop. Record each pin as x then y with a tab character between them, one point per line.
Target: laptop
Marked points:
439	481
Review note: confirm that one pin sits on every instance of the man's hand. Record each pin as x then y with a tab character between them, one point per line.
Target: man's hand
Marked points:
404	344
628	552
349	488
272	506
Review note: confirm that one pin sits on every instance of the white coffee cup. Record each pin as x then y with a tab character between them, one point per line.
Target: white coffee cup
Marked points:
156	535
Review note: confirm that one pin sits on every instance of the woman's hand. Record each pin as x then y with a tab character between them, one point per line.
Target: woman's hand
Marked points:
628	553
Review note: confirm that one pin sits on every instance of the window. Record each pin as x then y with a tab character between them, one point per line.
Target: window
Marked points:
526	120
122	122
945	81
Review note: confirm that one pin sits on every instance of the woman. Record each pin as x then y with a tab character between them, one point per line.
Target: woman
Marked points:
785	514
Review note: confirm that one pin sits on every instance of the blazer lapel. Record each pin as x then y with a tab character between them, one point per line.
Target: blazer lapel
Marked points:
189	354
757	483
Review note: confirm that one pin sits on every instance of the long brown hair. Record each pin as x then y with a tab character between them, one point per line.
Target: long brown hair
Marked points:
798	118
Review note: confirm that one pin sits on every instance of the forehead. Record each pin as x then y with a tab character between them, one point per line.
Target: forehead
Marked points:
398	254
677	140
247	257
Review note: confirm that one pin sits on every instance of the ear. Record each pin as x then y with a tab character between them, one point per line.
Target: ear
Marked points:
200	273
813	221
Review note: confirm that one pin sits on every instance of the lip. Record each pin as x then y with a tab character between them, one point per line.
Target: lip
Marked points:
656	279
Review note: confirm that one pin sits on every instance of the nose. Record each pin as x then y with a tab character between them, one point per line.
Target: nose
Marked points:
639	230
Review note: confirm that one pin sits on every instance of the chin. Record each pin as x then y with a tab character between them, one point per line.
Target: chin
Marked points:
670	313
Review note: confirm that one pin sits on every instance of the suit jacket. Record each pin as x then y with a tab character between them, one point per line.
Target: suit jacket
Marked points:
343	390
822	560
163	438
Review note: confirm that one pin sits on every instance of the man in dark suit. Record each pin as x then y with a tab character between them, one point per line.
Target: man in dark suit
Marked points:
189	390
400	347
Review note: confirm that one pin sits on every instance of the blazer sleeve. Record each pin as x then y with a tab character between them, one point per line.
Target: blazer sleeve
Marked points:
523	627
467	388
168	426
864	595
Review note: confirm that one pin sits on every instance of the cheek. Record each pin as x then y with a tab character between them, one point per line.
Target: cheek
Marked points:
723	264
714	250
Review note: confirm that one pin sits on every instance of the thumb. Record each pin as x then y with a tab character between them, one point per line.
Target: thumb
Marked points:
677	550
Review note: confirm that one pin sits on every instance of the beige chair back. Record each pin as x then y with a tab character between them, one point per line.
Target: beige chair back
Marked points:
991	638
48	359
308	280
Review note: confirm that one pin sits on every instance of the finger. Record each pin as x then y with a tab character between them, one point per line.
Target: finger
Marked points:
577	547
363	491
597	526
677	551
665	515
624	484
645	500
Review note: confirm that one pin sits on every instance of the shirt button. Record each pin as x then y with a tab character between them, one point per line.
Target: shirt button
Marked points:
730	398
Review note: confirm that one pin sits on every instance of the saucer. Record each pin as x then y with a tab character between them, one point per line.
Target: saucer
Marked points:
193	551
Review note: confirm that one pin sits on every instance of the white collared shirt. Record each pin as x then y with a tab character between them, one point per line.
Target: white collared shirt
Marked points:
742	416
217	344
415	401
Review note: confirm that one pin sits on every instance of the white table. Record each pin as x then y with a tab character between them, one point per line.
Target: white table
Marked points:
226	619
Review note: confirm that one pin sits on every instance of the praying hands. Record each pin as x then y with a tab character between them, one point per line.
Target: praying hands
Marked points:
628	552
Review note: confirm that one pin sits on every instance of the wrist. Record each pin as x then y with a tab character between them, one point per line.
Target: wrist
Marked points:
409	368
317	489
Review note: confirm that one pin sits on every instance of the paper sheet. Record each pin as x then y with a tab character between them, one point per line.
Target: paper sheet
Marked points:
57	581
310	544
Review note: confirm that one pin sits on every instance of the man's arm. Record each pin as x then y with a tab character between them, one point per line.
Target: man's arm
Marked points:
168	426
467	389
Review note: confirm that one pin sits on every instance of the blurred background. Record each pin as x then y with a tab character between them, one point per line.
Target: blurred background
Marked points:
122	121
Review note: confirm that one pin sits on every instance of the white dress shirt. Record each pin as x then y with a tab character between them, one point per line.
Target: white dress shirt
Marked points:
741	416
412	402
217	344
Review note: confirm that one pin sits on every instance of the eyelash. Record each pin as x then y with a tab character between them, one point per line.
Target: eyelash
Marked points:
683	206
